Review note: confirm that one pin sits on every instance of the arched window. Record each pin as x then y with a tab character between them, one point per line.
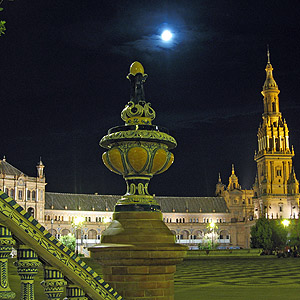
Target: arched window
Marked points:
92	234
12	193
33	195
20	195
184	235
28	194
65	232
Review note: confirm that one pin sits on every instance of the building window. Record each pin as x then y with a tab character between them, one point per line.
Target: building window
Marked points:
278	172
280	208
33	195
12	193
6	191
28	195
20	195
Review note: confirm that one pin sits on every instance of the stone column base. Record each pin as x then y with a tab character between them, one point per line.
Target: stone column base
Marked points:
142	265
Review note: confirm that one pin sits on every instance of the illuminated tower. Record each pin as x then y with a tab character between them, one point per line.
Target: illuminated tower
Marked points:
277	189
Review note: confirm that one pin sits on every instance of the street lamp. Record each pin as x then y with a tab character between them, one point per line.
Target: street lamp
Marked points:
212	226
285	223
77	223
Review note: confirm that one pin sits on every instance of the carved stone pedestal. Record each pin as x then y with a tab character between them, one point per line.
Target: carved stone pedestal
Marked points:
138	255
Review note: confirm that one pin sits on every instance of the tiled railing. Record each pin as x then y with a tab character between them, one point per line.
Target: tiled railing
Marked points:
35	246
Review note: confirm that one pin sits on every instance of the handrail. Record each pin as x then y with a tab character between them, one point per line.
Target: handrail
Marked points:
30	232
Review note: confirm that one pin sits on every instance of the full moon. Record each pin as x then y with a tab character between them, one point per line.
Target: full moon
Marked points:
166	35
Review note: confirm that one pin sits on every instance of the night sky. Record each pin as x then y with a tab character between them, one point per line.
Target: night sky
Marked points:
63	85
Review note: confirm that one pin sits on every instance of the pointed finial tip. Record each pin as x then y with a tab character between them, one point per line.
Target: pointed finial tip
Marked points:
268	54
232	168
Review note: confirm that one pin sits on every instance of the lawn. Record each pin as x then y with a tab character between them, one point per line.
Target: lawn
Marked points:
218	277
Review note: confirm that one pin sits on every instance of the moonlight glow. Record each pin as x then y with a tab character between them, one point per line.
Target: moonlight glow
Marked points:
166	35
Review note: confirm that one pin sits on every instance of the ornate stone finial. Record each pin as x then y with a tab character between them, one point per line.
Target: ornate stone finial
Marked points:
137	111
232	169
4	158
138	150
40	168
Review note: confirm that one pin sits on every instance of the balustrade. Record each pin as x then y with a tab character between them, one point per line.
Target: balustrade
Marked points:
6	244
27	265
35	247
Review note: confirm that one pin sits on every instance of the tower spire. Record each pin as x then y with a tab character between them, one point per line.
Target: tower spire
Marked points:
270	83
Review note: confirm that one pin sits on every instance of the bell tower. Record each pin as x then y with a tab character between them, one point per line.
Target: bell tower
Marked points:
275	198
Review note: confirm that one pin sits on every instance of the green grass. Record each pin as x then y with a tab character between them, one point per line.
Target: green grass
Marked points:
215	277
